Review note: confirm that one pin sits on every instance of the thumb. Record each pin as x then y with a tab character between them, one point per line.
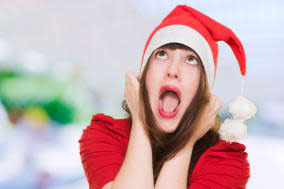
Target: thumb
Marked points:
139	77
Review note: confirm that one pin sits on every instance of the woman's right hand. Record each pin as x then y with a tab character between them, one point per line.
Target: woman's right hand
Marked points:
131	93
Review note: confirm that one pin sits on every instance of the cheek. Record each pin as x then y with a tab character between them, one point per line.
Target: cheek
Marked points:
153	82
191	83
154	76
195	81
193	76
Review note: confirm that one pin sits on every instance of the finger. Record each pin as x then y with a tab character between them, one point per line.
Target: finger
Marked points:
211	102
215	105
127	101
126	76
218	104
137	75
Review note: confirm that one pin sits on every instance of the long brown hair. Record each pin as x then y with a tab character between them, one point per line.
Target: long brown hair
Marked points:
166	145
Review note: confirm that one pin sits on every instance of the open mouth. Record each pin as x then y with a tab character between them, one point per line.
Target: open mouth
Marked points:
169	101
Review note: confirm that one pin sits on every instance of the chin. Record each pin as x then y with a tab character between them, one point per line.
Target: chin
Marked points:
167	126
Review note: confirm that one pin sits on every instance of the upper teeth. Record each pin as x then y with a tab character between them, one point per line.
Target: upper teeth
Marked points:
170	91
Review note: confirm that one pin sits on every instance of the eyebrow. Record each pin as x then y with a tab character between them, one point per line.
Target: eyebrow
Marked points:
195	55
192	53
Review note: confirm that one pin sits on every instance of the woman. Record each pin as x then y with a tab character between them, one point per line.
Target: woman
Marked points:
170	138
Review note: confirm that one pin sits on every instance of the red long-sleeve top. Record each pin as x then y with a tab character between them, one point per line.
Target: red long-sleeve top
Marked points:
104	142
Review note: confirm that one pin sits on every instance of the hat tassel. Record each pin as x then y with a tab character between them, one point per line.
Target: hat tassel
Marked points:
234	129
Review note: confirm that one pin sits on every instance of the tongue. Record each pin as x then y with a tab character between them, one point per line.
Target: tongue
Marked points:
169	102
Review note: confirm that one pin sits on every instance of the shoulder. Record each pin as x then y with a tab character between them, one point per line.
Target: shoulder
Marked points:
120	127
102	148
106	129
224	162
223	148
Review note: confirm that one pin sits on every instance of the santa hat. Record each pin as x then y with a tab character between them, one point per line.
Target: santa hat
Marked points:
194	29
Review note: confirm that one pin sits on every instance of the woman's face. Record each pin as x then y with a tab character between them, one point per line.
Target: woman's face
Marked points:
179	70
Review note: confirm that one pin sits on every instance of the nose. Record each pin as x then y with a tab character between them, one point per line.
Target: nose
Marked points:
172	75
173	70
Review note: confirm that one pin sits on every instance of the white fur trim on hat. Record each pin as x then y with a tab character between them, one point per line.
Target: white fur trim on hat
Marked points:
187	36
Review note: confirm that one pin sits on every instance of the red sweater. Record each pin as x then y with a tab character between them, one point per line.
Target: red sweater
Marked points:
104	142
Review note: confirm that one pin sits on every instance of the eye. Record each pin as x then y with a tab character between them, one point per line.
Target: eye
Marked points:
192	60
161	54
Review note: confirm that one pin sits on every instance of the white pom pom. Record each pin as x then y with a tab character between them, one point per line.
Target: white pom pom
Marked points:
241	108
232	130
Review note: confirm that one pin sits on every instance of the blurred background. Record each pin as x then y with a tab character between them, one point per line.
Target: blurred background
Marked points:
61	61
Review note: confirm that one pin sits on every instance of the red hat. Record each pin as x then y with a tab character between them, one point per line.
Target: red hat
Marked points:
194	29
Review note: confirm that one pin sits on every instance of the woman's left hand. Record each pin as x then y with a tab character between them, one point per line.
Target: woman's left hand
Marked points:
207	118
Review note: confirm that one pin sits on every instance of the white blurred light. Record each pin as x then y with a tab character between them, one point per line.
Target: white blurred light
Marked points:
62	70
4	121
273	110
157	7
4	50
13	157
62	160
265	155
33	61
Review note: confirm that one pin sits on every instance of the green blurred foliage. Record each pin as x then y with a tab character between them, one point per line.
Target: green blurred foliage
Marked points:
64	102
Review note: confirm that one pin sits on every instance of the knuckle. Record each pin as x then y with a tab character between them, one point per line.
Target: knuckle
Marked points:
213	122
212	99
